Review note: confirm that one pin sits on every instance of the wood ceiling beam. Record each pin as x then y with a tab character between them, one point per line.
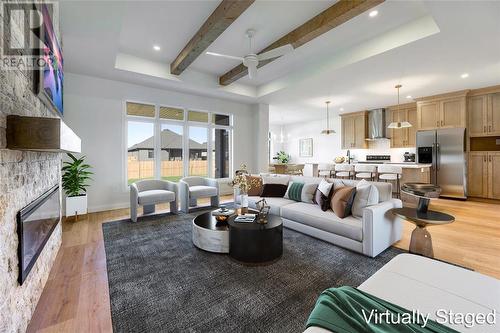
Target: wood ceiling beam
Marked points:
220	19
341	12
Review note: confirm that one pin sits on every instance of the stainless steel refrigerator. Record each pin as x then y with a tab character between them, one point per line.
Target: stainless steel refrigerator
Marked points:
445	149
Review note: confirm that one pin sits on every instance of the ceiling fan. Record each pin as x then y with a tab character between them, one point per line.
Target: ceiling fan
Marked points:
251	60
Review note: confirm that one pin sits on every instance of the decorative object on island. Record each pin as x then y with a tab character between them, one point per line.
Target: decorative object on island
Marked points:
222	214
399	124
75	179
327	131
306	147
264	209
339	159
241	184
282	157
421	241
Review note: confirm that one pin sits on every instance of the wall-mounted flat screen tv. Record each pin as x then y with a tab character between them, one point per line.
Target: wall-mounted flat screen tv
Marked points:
49	79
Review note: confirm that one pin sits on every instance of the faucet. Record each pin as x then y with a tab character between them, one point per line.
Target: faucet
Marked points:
348	156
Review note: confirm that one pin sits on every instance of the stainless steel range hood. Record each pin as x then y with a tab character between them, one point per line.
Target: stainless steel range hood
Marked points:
41	134
376	125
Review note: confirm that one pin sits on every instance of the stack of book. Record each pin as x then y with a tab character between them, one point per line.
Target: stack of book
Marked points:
245	218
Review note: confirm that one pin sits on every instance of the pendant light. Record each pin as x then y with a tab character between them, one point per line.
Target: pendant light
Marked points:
399	124
327	131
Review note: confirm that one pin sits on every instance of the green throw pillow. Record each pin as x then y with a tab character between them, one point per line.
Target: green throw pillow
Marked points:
294	191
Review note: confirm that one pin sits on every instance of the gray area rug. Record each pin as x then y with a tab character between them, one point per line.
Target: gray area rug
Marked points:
160	282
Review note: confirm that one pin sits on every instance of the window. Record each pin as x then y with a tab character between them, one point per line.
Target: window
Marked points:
220	153
140	164
169	143
198	157
171	152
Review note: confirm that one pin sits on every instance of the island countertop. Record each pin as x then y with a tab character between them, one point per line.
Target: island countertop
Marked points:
404	165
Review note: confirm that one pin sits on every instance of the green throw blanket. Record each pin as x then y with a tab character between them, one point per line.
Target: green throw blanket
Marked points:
349	310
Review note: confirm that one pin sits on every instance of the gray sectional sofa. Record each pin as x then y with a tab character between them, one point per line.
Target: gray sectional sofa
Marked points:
370	235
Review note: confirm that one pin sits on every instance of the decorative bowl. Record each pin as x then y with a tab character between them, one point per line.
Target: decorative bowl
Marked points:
339	159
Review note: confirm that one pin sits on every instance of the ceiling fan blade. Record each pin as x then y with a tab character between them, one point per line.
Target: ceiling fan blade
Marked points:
224	56
252	71
277	52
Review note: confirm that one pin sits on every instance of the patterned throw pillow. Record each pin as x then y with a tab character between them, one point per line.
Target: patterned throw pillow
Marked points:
294	191
255	183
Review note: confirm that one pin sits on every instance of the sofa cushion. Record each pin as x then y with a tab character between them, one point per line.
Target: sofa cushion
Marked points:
273	190
321	200
312	215
325	187
294	191
276	179
153	197
201	191
342	200
255	183
366	195
274	203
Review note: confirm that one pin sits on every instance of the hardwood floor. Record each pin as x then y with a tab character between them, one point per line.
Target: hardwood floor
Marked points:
76	296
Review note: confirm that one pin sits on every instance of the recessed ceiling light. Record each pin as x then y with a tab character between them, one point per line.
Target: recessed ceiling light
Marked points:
409	97
373	13
156	48
464	75
341	109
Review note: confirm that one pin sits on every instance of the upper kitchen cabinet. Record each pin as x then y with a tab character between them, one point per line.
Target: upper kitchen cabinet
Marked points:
484	112
442	111
354	130
404	137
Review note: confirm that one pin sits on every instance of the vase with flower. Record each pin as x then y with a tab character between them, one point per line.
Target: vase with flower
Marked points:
241	186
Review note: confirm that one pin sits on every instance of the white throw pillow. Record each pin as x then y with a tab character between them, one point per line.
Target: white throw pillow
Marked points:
325	187
276	179
366	195
308	191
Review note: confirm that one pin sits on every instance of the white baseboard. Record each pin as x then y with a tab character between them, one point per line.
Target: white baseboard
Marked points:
101	208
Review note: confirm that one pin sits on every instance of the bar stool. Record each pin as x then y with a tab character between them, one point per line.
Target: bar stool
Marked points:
391	173
326	170
344	170
363	171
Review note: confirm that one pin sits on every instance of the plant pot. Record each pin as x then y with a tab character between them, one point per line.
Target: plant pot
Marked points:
76	205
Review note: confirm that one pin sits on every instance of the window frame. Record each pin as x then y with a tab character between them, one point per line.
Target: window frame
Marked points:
157	124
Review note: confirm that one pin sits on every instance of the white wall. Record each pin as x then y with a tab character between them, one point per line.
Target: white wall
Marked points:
94	110
327	147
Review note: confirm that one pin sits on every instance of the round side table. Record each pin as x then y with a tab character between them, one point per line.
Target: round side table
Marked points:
422	217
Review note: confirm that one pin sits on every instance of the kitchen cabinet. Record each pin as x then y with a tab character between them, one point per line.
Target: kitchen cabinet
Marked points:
354	130
478	174
404	137
484	115
445	111
484	174
478	115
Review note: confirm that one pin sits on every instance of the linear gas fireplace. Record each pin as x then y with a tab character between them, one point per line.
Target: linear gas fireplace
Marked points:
35	224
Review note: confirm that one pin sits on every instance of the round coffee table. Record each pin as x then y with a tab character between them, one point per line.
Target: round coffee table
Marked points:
254	243
209	234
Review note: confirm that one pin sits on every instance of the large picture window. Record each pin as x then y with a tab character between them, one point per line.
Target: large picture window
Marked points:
169	143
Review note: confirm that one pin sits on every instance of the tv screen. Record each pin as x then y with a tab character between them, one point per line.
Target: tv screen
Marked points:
51	77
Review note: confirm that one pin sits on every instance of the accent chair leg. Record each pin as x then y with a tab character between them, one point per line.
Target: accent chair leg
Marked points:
214	201
173	207
133	212
148	209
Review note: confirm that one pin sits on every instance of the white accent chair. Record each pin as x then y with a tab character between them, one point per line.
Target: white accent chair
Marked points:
193	188
148	193
326	170
344	170
363	171
391	173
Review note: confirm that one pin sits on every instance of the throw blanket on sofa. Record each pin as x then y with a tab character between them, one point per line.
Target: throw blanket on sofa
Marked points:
349	310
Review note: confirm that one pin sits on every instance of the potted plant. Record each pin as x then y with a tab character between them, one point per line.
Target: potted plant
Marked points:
282	157
75	179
